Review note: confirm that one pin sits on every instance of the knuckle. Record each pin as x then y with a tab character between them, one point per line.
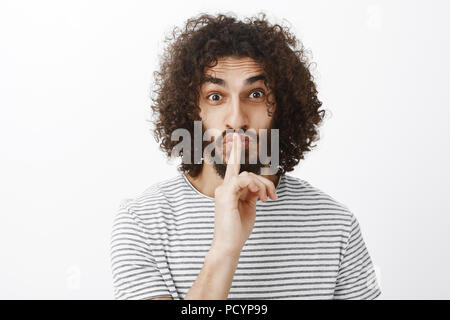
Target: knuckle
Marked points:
244	174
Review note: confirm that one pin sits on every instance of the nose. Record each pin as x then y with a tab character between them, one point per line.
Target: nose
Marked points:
236	117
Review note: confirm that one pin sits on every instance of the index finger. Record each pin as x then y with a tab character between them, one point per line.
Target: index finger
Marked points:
233	163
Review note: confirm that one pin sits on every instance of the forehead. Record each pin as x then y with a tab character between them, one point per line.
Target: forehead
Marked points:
237	66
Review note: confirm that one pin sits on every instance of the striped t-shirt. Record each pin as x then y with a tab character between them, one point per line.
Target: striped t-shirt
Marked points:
304	245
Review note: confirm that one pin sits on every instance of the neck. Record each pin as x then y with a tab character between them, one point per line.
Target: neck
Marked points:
208	180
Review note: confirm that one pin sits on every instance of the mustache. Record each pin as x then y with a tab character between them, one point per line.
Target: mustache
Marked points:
221	139
227	135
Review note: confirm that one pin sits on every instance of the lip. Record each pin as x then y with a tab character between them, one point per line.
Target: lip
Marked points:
245	140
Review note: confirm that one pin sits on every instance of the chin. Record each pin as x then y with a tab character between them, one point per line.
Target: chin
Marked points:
254	168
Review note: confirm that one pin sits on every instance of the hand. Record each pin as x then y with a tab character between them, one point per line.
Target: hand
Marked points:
235	204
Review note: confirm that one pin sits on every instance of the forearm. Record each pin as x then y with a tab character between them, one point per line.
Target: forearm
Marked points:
215	278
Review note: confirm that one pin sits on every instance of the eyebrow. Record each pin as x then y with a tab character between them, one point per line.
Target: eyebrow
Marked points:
222	82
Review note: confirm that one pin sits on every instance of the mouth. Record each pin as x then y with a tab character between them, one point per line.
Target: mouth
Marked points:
245	140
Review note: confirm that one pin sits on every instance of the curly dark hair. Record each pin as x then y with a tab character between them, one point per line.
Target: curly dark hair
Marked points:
205	39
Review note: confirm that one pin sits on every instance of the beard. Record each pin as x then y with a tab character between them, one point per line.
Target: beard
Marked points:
221	168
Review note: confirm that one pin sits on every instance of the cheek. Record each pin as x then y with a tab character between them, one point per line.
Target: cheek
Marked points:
212	117
205	115
260	119
202	113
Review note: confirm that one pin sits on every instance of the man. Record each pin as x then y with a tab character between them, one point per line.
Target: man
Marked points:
235	229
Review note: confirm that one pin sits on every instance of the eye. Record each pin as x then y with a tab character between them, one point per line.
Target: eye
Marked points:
256	94
214	97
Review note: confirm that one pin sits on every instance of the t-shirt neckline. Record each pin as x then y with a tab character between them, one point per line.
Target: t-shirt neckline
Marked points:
211	198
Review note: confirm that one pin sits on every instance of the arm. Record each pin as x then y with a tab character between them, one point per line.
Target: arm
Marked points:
135	273
357	279
214	280
235	212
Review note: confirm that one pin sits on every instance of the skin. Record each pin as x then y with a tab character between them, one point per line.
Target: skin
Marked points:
233	105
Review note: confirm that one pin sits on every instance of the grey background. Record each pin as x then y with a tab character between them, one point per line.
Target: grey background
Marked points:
74	99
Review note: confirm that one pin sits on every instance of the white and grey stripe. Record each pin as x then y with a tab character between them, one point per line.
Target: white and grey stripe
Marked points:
304	245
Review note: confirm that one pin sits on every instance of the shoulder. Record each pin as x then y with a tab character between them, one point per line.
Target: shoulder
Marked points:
150	202
305	194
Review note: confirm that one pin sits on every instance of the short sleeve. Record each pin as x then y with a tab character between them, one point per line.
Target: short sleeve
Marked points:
357	279
134	271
